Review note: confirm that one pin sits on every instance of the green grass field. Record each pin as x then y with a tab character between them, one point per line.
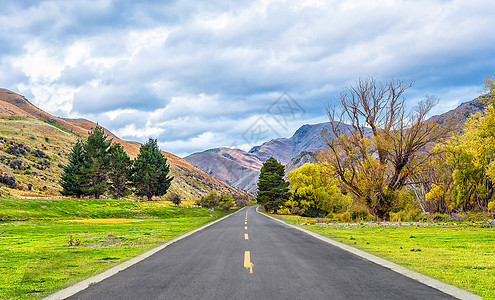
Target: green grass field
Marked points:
459	254
36	257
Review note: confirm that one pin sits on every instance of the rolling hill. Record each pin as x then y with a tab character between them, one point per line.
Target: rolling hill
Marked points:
34	147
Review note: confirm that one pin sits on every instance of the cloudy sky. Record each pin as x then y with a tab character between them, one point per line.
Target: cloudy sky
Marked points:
197	75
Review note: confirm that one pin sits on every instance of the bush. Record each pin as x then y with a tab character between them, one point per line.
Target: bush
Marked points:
283	211
8	180
226	202
477	216
241	201
362	214
344	217
175	198
491	206
16	164
296	211
398	216
210	200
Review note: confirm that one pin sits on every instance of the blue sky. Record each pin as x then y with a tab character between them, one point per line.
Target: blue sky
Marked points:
197	75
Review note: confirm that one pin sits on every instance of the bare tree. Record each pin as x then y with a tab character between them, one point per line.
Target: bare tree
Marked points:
375	144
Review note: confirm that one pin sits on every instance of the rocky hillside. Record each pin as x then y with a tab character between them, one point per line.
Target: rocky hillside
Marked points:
307	137
34	147
233	166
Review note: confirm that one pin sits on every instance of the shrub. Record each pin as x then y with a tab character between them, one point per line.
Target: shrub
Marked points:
398	216
175	198
16	164
241	201
210	200
39	153
8	180
361	214
344	217
296	211
283	211
491	206
226	202
476	216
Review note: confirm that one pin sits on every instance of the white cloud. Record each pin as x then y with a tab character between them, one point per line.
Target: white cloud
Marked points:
196	75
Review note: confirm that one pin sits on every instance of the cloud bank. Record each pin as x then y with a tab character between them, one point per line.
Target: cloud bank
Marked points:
201	75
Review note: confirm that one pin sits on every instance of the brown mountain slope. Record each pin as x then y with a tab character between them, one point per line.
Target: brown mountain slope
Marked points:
22	125
232	166
463	111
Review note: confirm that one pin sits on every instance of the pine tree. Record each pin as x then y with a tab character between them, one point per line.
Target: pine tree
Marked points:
119	171
150	171
71	179
96	164
272	188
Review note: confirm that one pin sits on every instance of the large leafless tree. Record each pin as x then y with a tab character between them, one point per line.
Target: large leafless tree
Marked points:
375	143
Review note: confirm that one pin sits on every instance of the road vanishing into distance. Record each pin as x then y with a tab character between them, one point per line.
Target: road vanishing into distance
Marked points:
250	256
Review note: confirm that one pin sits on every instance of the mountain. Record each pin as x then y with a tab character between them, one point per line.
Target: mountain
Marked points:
307	137
235	167
241	169
302	147
463	111
306	156
34	146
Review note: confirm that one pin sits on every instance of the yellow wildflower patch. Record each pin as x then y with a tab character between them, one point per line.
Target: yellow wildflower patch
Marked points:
105	221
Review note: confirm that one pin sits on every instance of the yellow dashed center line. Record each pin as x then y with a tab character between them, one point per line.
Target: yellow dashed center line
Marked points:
247	254
247	262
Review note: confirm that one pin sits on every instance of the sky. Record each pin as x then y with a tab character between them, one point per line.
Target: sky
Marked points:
203	74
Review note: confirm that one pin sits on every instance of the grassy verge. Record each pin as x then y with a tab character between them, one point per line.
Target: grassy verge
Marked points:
34	238
459	254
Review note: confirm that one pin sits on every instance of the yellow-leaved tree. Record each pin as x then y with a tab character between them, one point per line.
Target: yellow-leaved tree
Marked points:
472	154
375	144
315	191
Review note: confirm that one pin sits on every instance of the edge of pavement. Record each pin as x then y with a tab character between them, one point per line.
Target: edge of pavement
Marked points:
434	283
76	288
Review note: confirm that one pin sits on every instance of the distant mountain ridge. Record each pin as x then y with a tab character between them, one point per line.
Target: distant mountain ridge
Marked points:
302	147
240	169
307	137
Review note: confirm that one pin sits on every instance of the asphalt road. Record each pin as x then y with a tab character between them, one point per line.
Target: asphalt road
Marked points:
256	259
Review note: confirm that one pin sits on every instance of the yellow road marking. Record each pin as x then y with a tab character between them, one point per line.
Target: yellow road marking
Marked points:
245	223
245	227
247	262
246	236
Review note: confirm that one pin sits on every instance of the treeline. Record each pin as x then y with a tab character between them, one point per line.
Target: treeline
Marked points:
226	202
384	162
97	167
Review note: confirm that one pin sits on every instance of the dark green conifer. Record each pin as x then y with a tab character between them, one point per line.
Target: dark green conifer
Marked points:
150	171
71	179
119	171
97	161
272	188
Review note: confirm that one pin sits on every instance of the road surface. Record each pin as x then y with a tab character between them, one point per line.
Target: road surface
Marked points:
250	256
